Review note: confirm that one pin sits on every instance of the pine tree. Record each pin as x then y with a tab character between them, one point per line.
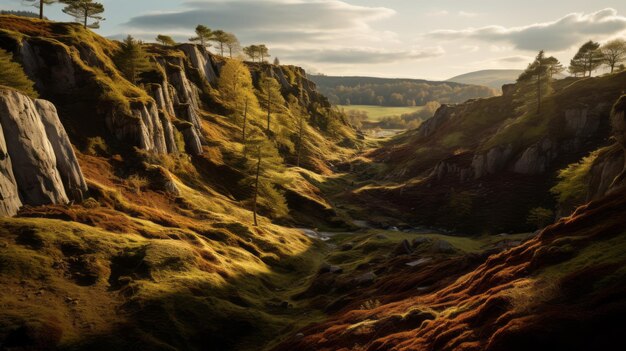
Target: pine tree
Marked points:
40	4
587	59
237	92
83	10
271	98
12	75
265	174
132	59
203	35
220	37
165	40
538	74
232	43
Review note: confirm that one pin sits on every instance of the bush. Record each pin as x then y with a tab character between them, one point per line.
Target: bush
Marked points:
91	203
572	185
137	183
12	75
96	147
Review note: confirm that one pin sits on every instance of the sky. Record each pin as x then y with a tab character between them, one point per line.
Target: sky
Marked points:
384	38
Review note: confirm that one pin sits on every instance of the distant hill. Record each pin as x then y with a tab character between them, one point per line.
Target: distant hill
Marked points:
396	91
493	78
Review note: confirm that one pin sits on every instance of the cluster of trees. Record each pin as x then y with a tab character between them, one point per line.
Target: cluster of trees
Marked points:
395	92
270	125
592	55
224	42
81	10
254	52
535	82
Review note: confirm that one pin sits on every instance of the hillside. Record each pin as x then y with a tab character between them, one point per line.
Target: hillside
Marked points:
133	202
162	197
492	78
395	92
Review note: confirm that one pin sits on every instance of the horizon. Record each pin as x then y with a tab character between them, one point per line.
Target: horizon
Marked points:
373	38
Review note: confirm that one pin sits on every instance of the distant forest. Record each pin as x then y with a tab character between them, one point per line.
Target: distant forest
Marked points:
20	13
395	92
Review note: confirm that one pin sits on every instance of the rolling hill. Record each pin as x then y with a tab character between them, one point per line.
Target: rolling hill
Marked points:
395	92
493	78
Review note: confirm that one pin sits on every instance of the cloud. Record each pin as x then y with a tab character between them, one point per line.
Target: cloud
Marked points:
514	59
270	20
287	26
562	34
360	55
467	14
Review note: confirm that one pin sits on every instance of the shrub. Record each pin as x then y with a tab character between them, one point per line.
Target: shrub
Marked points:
12	75
91	203
137	183
96	147
572	185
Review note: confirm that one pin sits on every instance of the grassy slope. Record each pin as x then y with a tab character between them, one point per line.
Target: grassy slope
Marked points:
138	265
562	290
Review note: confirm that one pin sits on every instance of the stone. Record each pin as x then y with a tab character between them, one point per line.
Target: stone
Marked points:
365	278
442	246
347	246
32	156
66	161
10	201
419	241
403	248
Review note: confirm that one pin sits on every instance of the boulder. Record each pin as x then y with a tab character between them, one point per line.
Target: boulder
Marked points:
32	156
403	248
366	278
66	161
442	246
10	201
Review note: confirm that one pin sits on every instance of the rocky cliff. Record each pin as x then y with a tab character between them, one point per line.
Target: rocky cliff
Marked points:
483	145
40	166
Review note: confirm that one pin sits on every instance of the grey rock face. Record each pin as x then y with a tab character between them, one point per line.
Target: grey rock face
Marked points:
32	156
10	201
66	161
200	60
536	159
492	162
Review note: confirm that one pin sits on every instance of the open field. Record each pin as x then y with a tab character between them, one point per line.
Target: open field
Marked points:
376	113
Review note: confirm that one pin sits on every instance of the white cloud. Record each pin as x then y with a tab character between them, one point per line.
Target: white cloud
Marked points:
561	34
467	14
360	55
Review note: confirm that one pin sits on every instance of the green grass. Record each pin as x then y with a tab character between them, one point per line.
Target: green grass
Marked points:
376	113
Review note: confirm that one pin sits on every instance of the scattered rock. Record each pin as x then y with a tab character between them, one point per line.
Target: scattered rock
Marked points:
328	268
442	246
366	278
404	248
418	262
419	241
381	237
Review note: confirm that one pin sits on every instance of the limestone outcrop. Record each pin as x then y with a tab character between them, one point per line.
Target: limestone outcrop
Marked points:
39	164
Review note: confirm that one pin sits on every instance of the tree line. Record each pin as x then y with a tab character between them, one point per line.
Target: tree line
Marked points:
395	92
82	10
534	84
